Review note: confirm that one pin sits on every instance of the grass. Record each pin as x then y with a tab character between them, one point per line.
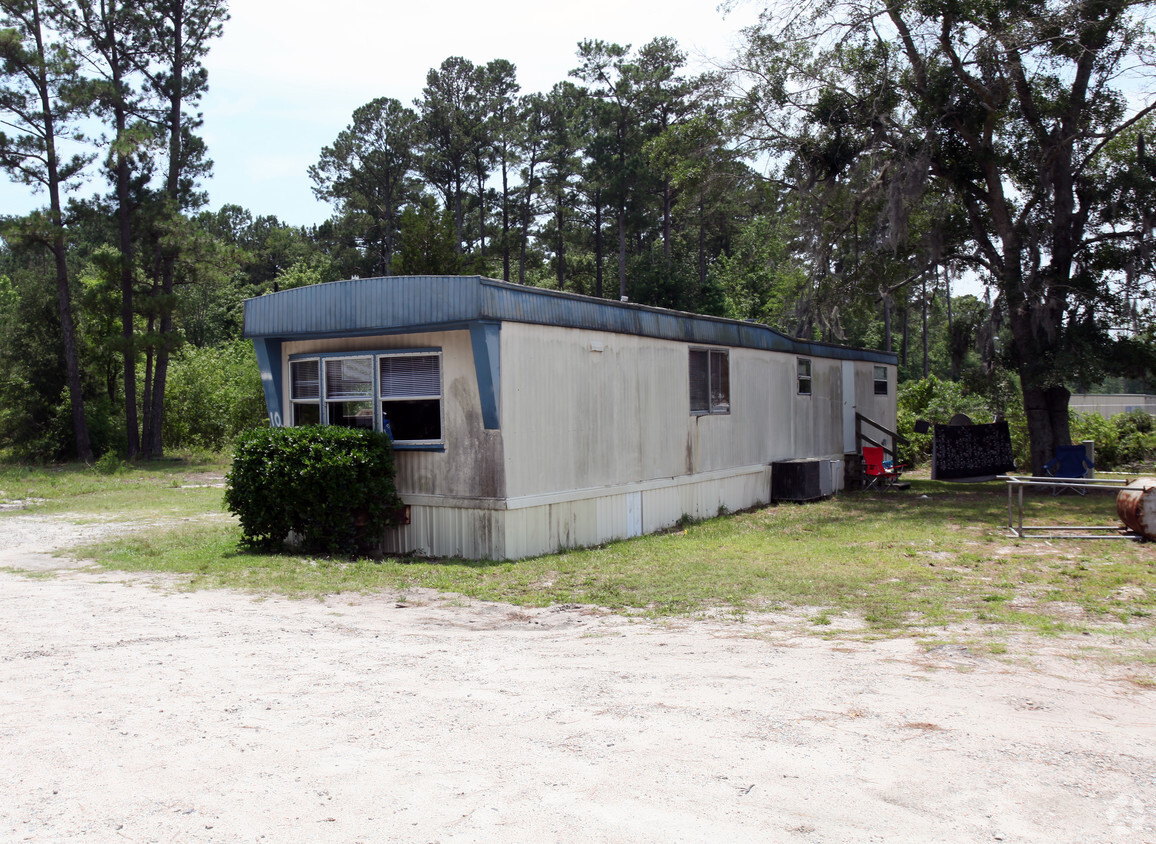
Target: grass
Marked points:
933	556
154	489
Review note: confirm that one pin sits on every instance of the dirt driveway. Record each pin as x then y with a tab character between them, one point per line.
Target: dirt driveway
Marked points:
129	711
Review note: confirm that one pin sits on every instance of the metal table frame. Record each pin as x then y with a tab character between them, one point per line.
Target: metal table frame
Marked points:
1015	510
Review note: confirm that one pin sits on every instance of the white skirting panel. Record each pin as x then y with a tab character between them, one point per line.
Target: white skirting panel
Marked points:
471	534
545	528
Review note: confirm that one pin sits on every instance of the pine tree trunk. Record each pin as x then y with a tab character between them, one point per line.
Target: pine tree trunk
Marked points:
598	243
560	249
154	443
128	331
60	258
926	368
701	245
622	253
666	202
505	223
481	214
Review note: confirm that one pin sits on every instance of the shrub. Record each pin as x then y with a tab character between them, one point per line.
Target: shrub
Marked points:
937	401
213	393
1126	441
109	464
333	487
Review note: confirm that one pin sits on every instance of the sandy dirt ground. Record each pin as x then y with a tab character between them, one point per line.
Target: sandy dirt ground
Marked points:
133	711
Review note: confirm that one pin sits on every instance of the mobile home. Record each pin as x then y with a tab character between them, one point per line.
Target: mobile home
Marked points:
526	420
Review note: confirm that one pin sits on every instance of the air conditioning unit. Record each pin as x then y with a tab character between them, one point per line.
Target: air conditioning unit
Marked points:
804	479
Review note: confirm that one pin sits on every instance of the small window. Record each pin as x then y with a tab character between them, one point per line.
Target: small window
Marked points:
411	397
881	380
710	390
349	392
804	372
305	392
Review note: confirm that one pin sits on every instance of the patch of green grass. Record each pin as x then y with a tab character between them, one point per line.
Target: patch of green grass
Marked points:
936	555
182	486
31	574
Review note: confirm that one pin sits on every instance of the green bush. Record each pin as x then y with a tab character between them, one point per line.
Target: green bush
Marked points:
333	487
1125	442
109	464
213	393
937	401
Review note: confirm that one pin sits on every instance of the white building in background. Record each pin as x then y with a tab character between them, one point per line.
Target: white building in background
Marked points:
526	420
1109	404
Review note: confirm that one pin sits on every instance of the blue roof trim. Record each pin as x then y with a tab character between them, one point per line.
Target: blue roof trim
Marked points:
269	361
394	304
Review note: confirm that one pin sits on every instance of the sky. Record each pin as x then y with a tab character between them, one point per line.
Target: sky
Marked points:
286	75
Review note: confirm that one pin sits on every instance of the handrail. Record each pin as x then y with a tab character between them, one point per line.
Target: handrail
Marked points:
860	437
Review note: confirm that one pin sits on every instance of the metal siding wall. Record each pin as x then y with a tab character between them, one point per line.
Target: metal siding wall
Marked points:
780	406
543	530
450	532
827	425
574	418
514	534
1110	404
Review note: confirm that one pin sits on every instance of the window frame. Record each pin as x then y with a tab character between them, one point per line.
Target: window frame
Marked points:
323	400
380	399
885	380
713	407
308	401
804	380
364	397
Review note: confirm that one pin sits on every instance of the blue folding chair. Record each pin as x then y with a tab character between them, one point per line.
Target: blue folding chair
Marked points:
1071	461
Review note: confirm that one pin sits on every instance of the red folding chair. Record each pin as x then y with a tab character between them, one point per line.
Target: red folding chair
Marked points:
878	472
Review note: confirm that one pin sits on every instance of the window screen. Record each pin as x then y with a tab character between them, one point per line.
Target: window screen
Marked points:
348	378
709	381
411	376
699	381
349	392
306	379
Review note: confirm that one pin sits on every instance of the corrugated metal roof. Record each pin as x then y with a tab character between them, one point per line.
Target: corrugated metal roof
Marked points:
417	303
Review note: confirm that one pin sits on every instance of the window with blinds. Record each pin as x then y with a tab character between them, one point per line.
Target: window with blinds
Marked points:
305	392
411	391
349	392
396	392
709	380
348	378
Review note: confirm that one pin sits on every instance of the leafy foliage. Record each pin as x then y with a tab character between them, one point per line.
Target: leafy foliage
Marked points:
333	487
1125	441
937	400
213	394
1000	139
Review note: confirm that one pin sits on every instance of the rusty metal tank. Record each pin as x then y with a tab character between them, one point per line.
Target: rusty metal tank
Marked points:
1136	506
